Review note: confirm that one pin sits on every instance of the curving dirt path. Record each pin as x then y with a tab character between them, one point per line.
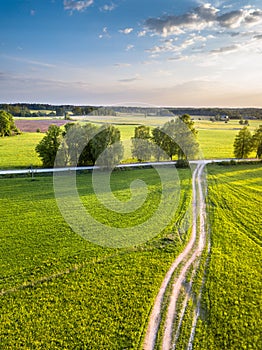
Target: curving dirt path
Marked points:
188	256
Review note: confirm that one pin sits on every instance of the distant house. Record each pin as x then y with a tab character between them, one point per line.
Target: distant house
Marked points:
224	118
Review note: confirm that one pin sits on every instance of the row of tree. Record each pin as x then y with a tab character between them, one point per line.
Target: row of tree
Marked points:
80	145
245	143
176	138
89	144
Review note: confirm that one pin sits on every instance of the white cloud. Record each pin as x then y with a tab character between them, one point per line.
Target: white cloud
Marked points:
226	49
178	58
75	5
141	33
202	17
126	30
129	80
29	61
169	46
104	34
120	65
107	7
129	47
258	37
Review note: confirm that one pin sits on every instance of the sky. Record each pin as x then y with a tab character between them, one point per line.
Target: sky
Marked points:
129	52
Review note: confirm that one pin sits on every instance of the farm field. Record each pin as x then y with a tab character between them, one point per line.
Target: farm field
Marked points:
215	139
19	151
81	295
32	125
231	306
61	291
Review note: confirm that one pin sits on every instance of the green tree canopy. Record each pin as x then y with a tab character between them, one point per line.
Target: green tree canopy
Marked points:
88	144
164	140
48	146
107	148
176	137
243	144
141	147
7	124
185	136
257	142
159	139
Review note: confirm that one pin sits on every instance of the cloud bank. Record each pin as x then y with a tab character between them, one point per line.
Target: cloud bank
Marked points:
202	17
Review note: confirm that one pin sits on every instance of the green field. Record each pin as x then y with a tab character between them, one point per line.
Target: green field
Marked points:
231	305
19	151
215	139
61	291
58	290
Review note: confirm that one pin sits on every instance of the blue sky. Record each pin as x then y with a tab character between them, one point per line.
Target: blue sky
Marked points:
162	53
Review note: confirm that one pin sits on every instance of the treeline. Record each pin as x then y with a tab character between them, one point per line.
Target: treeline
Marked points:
176	138
38	109
80	145
232	113
41	110
83	145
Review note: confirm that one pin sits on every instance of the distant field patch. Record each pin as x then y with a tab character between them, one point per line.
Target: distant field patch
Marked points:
30	125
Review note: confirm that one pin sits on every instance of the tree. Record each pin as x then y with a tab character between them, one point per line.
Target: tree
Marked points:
48	146
73	143
7	124
185	136
163	139
60	111
243	144
141	148
88	156
106	146
176	138
88	144
257	142
159	139
77	110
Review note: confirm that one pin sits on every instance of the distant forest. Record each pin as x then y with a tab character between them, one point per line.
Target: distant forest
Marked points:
40	109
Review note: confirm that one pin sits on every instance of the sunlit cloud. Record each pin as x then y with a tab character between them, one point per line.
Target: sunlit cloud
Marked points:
129	80
104	34
129	47
203	17
126	30
108	7
74	5
120	65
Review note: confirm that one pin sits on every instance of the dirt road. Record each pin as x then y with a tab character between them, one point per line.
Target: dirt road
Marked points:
189	255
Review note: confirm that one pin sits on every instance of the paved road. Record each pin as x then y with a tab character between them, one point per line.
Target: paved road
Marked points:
131	165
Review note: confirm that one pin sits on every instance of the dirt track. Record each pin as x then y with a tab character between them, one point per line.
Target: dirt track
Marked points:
187	258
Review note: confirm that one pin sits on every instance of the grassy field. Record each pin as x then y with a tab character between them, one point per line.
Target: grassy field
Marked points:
58	290
215	139
61	291
19	151
231	306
